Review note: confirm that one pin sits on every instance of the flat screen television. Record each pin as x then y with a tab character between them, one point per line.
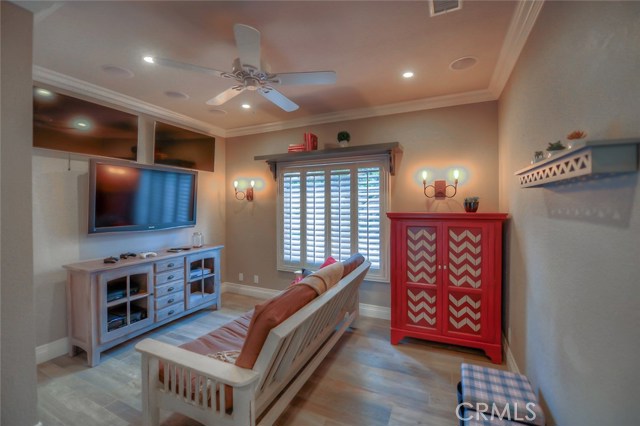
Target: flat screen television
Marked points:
125	196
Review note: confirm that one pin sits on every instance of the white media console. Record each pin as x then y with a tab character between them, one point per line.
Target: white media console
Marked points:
109	303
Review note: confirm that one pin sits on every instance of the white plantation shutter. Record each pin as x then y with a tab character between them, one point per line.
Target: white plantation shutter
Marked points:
315	217
292	218
333	210
340	220
369	214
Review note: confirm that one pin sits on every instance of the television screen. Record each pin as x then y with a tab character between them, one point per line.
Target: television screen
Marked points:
135	197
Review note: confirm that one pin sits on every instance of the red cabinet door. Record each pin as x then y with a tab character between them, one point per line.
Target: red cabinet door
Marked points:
467	286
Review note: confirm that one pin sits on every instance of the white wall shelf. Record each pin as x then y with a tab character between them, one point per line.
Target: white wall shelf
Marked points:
584	160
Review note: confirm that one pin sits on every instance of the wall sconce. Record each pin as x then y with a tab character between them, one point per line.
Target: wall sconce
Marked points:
246	194
440	186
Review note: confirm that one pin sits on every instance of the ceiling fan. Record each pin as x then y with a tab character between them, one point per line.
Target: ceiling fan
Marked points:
249	72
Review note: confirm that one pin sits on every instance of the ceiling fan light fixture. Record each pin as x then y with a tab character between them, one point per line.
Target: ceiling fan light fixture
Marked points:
407	74
463	63
148	59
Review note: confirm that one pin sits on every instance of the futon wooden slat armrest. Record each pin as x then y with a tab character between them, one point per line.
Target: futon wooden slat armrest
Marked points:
223	372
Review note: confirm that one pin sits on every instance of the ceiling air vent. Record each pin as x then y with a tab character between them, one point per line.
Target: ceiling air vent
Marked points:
440	7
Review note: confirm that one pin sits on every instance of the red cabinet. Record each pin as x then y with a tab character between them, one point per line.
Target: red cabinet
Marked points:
446	279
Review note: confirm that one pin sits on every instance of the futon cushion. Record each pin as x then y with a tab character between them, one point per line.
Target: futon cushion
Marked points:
229	337
268	315
324	278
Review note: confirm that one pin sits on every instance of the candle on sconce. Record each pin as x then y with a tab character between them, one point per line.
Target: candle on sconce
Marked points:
456	175
424	177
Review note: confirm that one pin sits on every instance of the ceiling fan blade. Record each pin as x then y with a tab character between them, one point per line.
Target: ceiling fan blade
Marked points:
248	42
184	66
312	77
279	99
225	96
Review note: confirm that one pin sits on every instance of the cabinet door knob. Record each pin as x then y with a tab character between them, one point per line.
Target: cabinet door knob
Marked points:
170	312
170	277
169	301
439	266
170	265
445	266
170	289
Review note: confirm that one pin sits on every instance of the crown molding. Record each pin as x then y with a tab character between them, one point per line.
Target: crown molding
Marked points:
356	114
524	17
81	87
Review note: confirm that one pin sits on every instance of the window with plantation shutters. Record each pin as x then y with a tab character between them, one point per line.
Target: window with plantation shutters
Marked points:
333	209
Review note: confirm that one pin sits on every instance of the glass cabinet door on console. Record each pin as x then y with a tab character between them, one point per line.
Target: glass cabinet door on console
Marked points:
203	279
126	301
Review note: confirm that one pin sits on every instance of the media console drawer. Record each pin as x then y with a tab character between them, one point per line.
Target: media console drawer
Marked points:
165	277
169	288
167	265
171	311
169	300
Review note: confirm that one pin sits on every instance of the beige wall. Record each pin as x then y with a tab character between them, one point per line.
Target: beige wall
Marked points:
572	286
60	208
18	382
463	137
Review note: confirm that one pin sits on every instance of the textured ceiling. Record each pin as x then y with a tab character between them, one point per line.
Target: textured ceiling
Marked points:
368	44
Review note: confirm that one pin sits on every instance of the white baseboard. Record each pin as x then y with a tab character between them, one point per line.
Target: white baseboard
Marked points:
249	290
51	350
511	361
372	311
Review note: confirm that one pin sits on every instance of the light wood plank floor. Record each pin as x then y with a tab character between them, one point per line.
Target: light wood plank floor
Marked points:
364	380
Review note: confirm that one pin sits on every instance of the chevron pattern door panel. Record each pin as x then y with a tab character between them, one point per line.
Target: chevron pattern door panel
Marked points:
421	255
464	312
465	257
446	279
421	307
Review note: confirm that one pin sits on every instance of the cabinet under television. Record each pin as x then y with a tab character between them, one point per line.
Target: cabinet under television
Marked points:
108	304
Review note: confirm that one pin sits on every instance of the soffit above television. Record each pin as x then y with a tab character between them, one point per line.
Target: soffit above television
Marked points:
175	146
65	123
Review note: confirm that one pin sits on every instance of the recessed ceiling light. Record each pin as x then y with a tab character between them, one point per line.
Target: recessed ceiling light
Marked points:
407	74
148	59
117	71
176	95
246	106
463	63
44	93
